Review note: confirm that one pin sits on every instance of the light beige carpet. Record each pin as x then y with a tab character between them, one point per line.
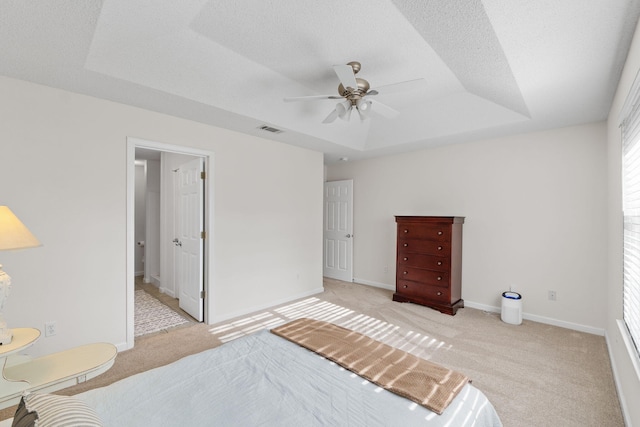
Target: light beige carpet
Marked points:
534	374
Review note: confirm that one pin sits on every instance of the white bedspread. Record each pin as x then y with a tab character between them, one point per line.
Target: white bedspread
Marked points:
264	380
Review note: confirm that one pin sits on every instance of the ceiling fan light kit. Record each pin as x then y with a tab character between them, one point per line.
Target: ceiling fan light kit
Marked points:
354	92
344	110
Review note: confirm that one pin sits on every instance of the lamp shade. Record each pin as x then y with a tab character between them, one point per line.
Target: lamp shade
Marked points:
13	233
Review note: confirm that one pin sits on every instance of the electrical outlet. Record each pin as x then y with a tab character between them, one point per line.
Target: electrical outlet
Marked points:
552	295
50	328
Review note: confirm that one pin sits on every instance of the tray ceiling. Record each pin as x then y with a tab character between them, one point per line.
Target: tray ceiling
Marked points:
490	67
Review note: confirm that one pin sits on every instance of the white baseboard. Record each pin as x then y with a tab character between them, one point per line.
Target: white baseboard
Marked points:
271	304
540	319
493	309
374	284
122	347
622	398
169	292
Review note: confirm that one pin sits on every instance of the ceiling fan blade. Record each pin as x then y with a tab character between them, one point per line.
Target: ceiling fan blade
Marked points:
383	109
331	117
310	98
409	85
346	76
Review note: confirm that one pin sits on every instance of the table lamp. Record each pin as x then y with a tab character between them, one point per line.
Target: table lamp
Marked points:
13	235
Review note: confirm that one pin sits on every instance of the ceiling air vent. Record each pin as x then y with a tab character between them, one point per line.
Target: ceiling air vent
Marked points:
269	129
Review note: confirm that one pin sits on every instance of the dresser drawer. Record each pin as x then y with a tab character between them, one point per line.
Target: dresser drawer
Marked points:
430	277
438	232
432	247
430	262
434	293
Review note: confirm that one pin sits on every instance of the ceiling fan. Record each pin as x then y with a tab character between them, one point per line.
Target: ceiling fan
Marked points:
355	93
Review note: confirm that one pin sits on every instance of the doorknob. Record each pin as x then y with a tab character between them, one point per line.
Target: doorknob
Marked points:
348	236
177	242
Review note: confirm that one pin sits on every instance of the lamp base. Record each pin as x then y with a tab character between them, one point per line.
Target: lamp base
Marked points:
5	288
5	336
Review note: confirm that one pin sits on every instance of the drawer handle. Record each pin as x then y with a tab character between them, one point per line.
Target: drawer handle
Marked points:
406	231
404	272
439	293
405	258
405	286
439	262
405	245
439	233
439	248
439	278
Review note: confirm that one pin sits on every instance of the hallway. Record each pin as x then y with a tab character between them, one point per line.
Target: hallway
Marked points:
167	302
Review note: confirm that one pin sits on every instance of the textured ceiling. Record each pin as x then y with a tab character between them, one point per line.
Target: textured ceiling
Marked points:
490	67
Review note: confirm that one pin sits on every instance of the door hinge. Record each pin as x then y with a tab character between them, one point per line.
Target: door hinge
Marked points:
202	294
203	175
203	234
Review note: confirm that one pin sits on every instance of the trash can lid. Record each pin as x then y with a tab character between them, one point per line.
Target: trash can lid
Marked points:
511	295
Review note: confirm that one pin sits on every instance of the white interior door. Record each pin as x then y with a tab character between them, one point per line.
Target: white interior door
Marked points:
338	230
189	239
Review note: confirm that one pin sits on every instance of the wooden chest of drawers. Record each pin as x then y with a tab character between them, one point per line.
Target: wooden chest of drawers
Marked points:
429	262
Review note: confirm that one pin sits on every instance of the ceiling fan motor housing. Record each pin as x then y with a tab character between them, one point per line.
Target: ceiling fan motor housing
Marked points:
355	65
353	94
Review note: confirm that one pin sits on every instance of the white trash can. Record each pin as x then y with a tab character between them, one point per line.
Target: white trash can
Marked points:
511	308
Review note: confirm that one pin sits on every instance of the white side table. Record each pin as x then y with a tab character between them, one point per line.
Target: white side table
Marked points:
48	373
22	339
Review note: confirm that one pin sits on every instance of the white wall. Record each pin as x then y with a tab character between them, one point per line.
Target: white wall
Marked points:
535	217
64	174
140	215
152	223
627	376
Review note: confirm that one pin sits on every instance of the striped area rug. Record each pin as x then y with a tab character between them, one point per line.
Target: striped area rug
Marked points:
153	316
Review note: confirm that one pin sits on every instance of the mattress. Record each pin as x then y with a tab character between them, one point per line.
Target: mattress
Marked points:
265	380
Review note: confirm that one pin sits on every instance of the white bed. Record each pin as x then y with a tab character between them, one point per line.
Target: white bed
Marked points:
265	380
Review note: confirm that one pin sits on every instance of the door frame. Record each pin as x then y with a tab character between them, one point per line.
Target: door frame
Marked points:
208	262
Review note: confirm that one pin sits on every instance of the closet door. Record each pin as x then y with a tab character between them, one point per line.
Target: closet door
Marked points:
338	230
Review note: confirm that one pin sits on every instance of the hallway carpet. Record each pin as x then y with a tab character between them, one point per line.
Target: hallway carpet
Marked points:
153	316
